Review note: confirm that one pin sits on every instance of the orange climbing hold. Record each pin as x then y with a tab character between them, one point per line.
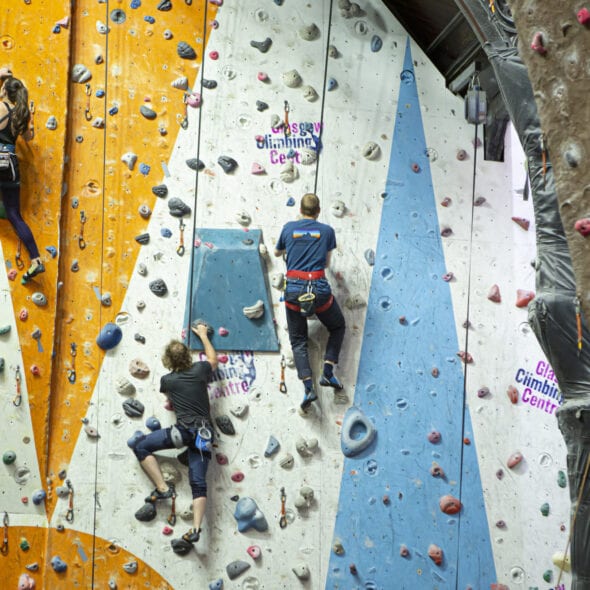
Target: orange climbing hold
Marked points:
435	553
512	394
449	504
523	298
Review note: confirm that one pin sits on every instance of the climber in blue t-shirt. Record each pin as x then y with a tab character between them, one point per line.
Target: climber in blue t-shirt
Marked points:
308	245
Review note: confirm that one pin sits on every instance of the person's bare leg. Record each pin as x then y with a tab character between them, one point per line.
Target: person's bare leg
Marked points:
152	468
199	505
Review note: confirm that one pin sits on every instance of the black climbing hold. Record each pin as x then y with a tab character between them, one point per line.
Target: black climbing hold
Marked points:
261	105
201	321
160	190
147	112
262	46
139	338
195	164
185	51
228	164
180	546
224	424
210	84
118	16
236	568
178	208
165	5
133	408
142	238
158	287
146	513
1	365
235	498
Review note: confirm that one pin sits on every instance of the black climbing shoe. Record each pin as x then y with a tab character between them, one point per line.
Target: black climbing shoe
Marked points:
157	495
331	382
308	398
32	272
183	545
192	536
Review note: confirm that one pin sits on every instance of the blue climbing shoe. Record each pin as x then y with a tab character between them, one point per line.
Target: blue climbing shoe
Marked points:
32	272
331	382
308	398
157	495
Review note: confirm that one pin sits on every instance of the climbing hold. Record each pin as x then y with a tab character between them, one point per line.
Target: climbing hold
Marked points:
254	551
248	516
58	564
448	277
185	51
404	551
310	94
358	432
9	457
243	218
561	479
214	55
494	294
160	190
275	123
39	299
130	159
437	471
130	567
461	155
98	123
287	461
23	314
514	459
338	547
583	226
538	43
523	297
332	84
228	164
261	106
12	274
512	394
306	448
435	553
370	256
500	474
222	331
301	570
80	73
262	46
195	164
144	169
135	438
147	112
240	410
113	110
254	311
561	561
193	100
583	16
483	391
140	305
236	568
158	287
133	408
446	202
167	34
109	336
238	476
124	386
352	569
333	52
258	168
106	299
445	232
139	369
272	446
545	509
225	424
376	43
449	504
209	84
262	77
147	512
434	437
465	357
51	123
25	582
152	423
216	584
289	172
479	201
142	238
221	458
338	208
38	497
144	211
180	83
371	151
292	79
524	223
310	32
91	432
165	5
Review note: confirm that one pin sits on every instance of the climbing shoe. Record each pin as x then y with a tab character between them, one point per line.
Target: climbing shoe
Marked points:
183	545
157	495
308	397
331	381
192	536
32	272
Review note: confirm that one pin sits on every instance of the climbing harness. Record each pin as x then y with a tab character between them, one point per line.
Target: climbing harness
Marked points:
287	128
18	398
87	113
70	512
579	324
283	519
18	260
4	548
282	384
180	249
72	369
81	241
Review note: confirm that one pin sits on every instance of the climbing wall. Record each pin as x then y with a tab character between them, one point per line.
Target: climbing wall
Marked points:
219	116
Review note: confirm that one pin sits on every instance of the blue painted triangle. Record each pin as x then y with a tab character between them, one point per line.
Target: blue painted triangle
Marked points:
388	497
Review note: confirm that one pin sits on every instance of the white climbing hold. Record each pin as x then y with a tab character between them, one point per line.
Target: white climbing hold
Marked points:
562	561
124	386
306	448
301	570
277	280
91	431
240	410
308	156
243	218
98	123
309	32
371	150
130	159
287	461
101	28
292	79
289	172
276	122
255	311
310	94
80	73
180	83
338	208
350	444
263	250
51	123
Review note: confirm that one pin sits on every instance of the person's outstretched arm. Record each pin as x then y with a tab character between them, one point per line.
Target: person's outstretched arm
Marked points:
201	332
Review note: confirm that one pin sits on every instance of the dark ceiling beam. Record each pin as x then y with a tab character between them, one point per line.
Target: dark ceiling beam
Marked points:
451	27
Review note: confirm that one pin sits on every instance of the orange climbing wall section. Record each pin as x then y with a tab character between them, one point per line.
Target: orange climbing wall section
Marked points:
73	177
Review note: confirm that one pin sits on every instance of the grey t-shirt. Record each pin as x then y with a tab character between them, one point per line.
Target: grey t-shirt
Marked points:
188	392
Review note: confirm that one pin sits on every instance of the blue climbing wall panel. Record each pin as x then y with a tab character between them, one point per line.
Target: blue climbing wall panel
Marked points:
228	275
388	497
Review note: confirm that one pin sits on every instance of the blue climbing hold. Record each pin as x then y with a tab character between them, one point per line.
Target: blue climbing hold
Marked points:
135	438
99	93
135	4
279	2
290	202
109	336
149	19
58	564
153	423
216	584
370	257
38	497
291	153
272	447
52	251
113	110
166	233
332	84
376	43
56	29
144	169
249	516
358	432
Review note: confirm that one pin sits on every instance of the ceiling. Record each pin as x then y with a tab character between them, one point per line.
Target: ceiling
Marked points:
443	32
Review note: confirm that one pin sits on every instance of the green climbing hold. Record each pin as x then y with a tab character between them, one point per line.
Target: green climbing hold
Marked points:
24	544
561	479
548	575
9	457
4	329
545	509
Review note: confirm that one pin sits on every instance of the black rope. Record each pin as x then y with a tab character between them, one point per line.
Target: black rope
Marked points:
324	90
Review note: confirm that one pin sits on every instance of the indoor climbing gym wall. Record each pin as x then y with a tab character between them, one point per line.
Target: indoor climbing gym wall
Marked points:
171	142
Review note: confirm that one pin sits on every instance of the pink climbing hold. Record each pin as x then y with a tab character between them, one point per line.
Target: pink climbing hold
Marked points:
238	476
583	16
258	168
524	223
436	470
523	297
254	551
25	582
461	155
514	459
465	357
209	245
223	331
35	370
12	274
434	437
449	504
64	22
402	320
222	358
582	226
197	243
415	167
221	458
435	553
446	202
214	24
214	55
494	294
193	100
448	277
23	314
435	372
217	2
167	530
512	394
262	76
404	551
538	44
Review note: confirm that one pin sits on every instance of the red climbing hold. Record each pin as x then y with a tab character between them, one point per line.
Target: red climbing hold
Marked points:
537	44
404	551
353	569
583	226
461	155
512	394
449	504
435	372
524	223
465	357
523	298
434	437
514	459
494	294
435	553
386	500
167	530
583	16
446	202
415	168
436	470
221	458
238	476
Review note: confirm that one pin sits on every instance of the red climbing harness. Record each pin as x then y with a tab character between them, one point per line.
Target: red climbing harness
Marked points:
319	309
305	275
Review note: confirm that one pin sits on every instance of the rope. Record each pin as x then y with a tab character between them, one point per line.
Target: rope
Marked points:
324	90
466	348
199	119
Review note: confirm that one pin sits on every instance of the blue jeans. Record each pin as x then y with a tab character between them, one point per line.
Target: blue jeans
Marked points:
332	318
197	462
